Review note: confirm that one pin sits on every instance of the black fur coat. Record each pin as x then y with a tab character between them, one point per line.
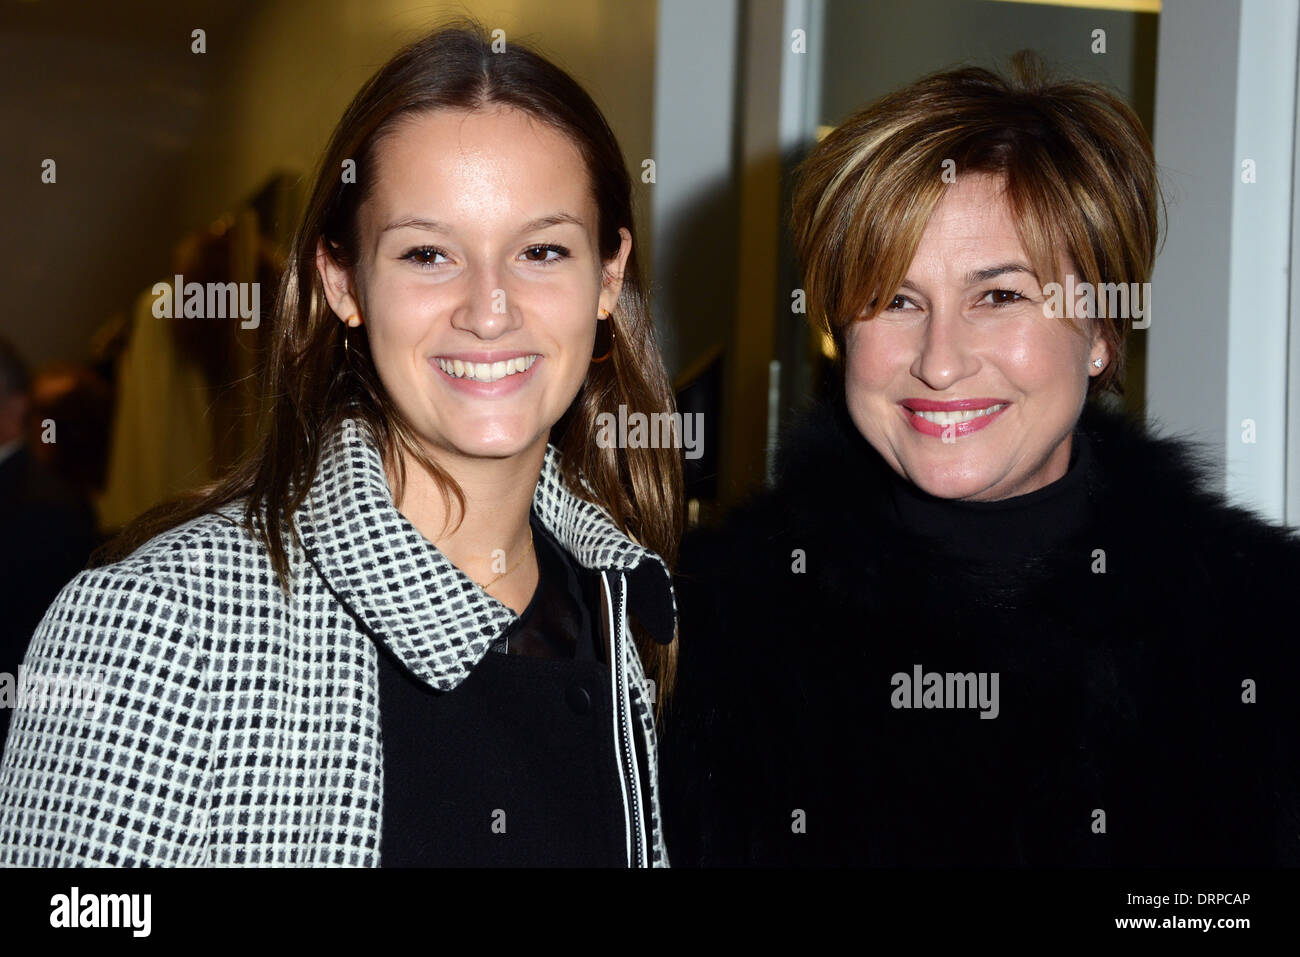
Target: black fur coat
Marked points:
1147	713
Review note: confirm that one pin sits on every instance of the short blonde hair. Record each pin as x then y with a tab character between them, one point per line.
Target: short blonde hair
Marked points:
1077	165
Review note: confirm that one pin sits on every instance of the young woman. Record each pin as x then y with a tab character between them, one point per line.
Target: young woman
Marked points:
401	633
982	620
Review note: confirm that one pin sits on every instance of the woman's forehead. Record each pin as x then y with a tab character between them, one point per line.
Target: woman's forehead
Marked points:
501	164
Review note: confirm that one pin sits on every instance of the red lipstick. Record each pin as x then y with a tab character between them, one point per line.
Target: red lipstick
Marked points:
910	407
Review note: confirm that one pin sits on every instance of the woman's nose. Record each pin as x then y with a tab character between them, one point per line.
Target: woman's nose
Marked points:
943	355
487	310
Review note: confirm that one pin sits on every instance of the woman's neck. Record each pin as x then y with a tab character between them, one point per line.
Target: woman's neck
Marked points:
1007	529
493	535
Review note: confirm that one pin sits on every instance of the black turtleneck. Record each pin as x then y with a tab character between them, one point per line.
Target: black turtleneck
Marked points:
1000	530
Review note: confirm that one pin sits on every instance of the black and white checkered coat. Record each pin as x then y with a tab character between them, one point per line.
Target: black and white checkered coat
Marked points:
238	726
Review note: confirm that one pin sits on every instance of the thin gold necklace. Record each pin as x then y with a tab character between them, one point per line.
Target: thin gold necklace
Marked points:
515	565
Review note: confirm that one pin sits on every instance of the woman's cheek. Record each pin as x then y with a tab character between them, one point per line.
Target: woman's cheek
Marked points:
1045	356
872	357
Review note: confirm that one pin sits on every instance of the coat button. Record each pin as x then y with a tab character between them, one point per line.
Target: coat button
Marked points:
578	699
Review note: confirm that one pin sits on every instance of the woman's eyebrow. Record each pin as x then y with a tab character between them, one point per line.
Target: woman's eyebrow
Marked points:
991	272
982	275
437	226
413	222
553	219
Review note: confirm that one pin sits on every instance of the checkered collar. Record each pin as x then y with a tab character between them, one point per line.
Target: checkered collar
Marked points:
407	594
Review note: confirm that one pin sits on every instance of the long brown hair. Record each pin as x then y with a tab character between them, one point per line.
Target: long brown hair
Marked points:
311	382
1078	167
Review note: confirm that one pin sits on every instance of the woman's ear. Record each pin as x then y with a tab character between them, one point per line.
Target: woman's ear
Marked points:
611	285
1100	350
337	282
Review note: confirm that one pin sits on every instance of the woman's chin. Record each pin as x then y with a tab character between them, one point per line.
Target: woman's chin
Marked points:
946	484
496	442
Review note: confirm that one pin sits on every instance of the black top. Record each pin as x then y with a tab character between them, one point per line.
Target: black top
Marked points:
516	765
1106	685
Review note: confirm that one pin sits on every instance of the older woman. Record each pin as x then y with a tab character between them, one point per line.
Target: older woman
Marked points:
981	619
401	633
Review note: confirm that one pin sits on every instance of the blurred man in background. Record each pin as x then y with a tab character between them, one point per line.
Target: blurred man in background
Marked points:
47	525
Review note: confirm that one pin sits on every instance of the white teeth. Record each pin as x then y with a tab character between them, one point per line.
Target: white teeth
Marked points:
963	415
486	371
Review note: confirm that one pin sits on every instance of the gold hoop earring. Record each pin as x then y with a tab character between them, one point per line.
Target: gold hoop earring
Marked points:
351	322
609	350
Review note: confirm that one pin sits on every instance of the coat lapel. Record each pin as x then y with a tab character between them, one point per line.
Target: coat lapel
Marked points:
403	590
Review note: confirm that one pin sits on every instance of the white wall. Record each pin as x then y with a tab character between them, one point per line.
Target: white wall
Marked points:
1218	349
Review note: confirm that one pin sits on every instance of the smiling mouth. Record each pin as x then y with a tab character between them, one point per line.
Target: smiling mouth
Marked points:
957	416
486	371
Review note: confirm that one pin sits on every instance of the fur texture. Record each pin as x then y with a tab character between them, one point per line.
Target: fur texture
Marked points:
1122	736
